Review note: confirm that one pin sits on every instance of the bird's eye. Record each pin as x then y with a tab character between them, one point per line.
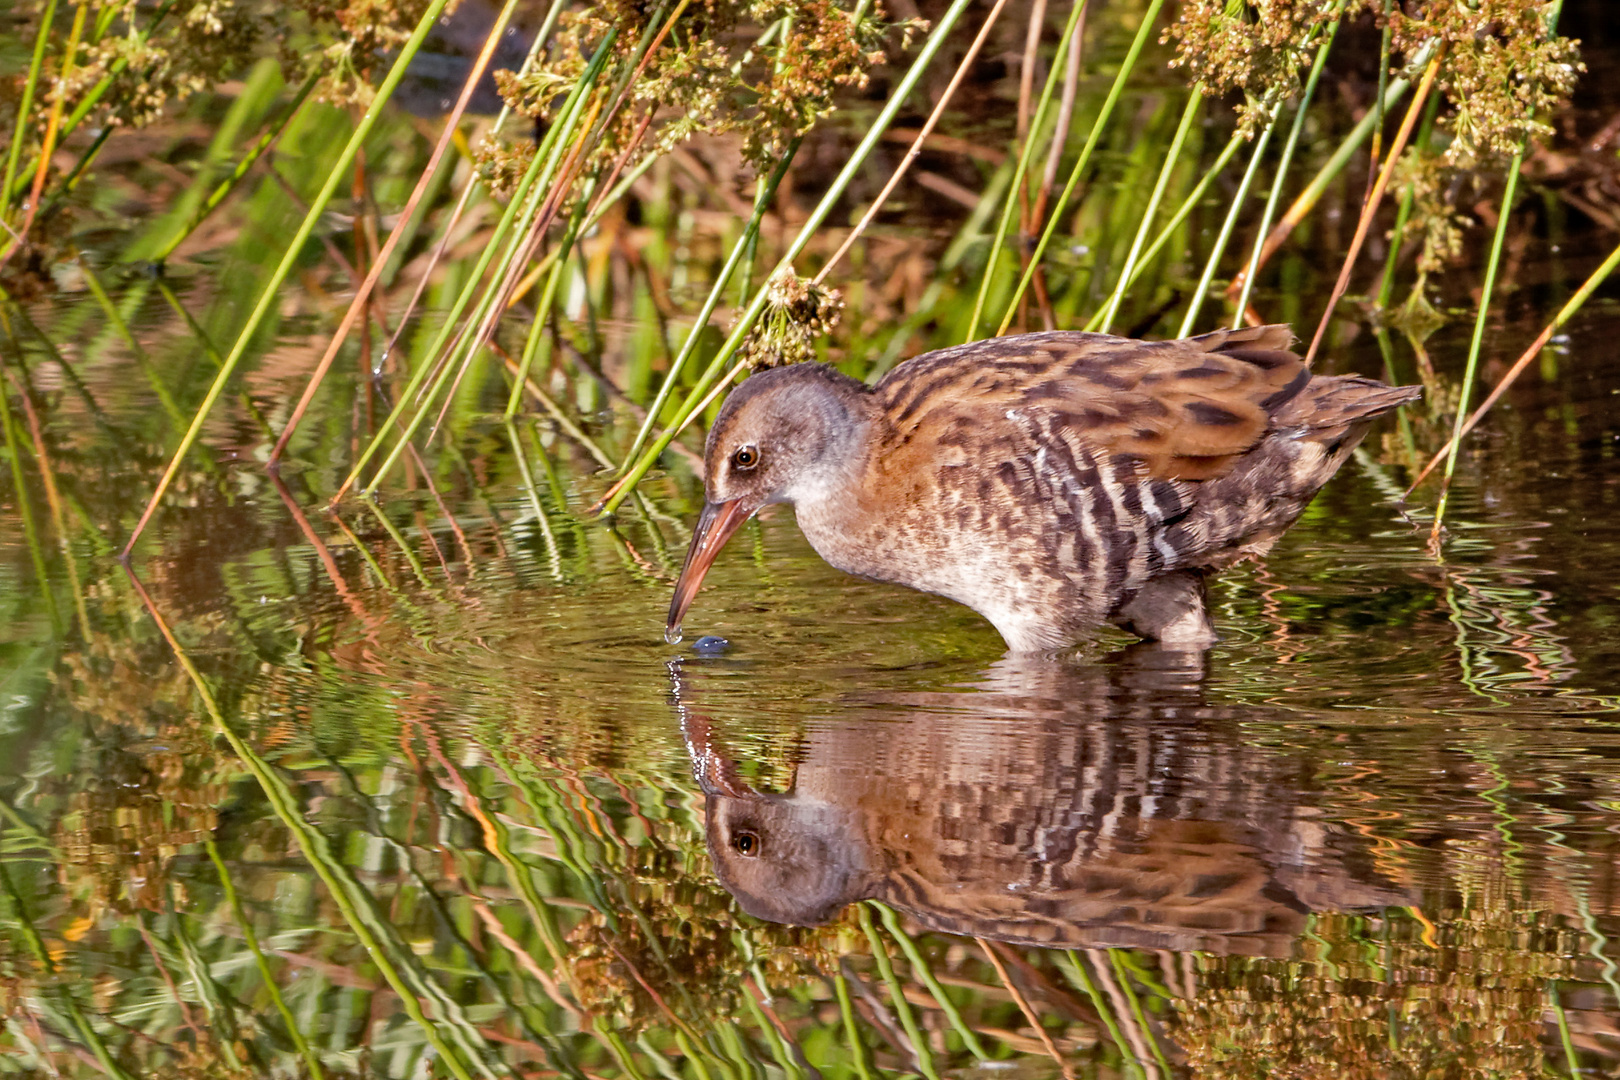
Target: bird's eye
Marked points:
746	841
746	457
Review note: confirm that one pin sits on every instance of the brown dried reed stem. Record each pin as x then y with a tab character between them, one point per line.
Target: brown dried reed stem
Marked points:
916	146
1369	209
1023	1004
1574	304
363	293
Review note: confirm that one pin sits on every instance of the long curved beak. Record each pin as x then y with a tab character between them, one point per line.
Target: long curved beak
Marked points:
714	527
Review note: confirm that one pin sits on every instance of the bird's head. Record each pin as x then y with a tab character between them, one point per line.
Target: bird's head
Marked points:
786	435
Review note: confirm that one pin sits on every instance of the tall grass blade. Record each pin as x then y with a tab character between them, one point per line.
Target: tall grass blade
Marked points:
1074	967
745	322
1182	213
764	193
1201	290
1149	19
1172	158
920	968
1574	304
1471	371
272	287
513	232
25	107
25	510
1370	209
289	115
927	129
393	958
1307	199
852	1033
1287	159
1026	154
402	228
311	1060
52	132
897	995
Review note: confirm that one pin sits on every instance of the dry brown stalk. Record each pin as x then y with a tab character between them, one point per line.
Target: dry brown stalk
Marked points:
916	145
1029	1013
363	293
1369	209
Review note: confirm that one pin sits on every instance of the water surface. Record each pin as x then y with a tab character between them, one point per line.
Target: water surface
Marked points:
436	799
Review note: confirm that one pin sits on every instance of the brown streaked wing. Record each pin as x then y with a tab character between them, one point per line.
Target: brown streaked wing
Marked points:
1187	408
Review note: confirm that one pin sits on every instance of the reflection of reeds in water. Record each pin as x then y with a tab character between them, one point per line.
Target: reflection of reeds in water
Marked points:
471	901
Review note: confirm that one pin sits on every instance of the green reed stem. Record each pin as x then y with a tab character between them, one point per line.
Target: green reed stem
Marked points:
116	320
524	204
215	1001
97	92
1403	212
249	159
25	108
1075	971
616	1044
25	510
1471	371
764	192
554	555
1383	84
920	968
927	308
1165	234
374	934
1486	291
1056	216
1172	157
1026	154
1308	198
1124	979
1571	1060
846	1010
538	337
272	287
902	1008
42	956
779	1048
1227	226
835	193
1287	160
263	964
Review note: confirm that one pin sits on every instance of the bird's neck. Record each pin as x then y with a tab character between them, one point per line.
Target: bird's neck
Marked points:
838	510
847	420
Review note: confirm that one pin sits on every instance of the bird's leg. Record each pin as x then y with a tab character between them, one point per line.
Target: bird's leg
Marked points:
1170	609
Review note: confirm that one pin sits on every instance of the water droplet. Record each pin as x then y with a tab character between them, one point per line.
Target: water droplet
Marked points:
672	635
711	644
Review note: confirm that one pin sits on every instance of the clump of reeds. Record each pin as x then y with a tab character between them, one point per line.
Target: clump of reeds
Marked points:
617	87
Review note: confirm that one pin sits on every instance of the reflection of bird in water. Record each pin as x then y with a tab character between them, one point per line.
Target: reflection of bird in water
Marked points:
1051	482
1059	805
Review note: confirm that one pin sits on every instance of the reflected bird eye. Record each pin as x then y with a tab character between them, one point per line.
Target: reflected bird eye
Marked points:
746	841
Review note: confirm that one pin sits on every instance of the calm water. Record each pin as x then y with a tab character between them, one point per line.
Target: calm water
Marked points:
449	806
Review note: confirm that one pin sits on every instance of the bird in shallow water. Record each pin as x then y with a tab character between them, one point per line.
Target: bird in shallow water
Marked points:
1052	482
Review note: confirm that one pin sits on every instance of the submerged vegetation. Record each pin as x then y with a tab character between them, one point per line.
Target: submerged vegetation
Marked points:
387	793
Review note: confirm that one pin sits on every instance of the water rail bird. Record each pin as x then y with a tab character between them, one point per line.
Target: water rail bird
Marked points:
1052	482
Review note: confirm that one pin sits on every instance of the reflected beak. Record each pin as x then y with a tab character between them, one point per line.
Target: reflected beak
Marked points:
715	771
714	527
